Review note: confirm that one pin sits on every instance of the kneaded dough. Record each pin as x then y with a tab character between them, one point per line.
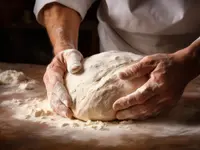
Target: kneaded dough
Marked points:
97	87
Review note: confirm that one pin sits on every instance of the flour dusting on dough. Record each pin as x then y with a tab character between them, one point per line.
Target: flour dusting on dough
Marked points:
95	90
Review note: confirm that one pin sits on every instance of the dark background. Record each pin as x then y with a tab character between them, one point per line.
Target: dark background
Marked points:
23	40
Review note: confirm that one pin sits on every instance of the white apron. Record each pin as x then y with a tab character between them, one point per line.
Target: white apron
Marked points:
141	26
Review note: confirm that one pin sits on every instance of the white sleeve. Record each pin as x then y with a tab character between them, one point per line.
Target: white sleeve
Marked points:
81	6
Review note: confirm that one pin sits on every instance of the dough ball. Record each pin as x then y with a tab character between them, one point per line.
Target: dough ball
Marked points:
97	87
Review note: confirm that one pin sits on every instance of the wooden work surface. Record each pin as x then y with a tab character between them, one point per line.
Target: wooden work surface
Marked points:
180	130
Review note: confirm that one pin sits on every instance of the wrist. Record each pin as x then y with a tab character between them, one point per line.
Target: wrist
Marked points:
192	52
189	58
63	40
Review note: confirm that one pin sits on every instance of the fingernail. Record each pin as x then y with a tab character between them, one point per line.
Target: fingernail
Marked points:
120	116
74	68
122	75
116	106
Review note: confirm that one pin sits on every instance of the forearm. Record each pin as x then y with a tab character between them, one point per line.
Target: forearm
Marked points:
62	25
194	52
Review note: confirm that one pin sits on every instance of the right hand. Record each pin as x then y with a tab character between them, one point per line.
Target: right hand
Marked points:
69	60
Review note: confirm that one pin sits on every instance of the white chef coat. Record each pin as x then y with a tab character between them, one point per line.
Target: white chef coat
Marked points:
140	26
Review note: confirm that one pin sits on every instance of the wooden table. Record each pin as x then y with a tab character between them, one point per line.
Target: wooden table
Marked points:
179	130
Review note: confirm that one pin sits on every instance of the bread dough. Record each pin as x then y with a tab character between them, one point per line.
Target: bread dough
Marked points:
98	86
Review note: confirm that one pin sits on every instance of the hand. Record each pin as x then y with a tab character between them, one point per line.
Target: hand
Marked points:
60	100
168	76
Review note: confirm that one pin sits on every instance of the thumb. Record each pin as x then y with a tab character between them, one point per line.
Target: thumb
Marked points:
136	70
74	60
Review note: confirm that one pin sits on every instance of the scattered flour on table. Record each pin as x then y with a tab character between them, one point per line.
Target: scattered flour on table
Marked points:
93	92
26	98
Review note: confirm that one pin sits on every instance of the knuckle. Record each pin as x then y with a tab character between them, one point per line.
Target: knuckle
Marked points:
150	60
57	59
128	101
147	59
140	98
118	104
51	66
133	100
157	77
122	105
149	90
143	95
135	68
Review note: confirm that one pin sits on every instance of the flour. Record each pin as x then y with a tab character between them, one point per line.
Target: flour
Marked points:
99	82
96	89
26	98
12	77
24	115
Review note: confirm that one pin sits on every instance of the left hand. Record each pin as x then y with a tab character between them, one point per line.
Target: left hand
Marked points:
168	76
66	61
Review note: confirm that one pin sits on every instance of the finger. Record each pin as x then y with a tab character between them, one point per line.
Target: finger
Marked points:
56	87
57	65
62	94
59	107
60	100
54	72
74	59
136	70
141	112
140	96
54	82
